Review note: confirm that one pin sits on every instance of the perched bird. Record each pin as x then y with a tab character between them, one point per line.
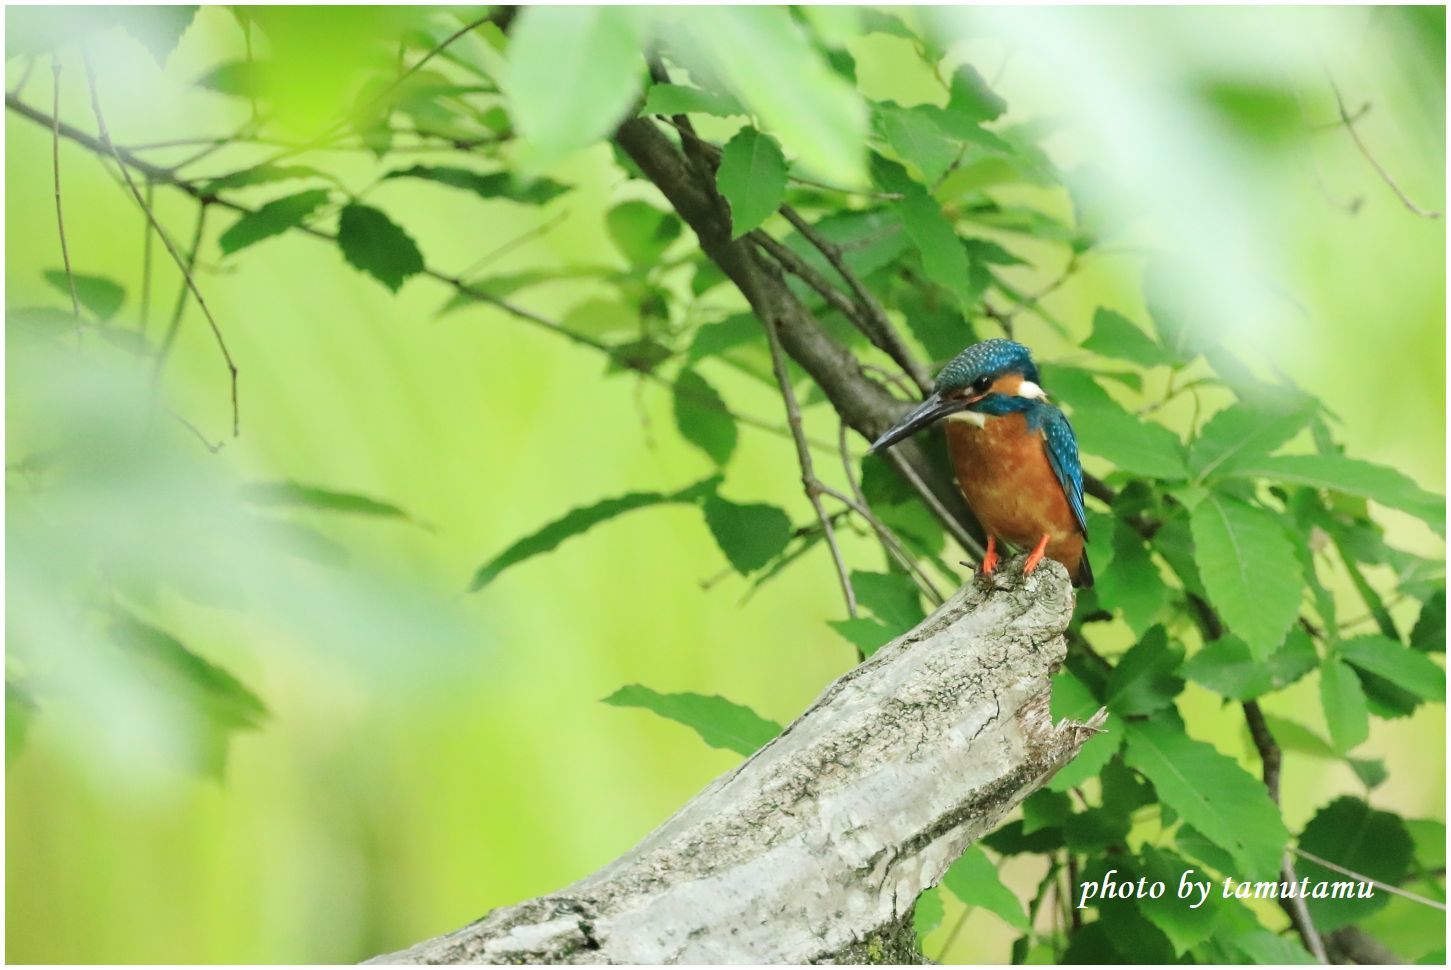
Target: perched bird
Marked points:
1015	455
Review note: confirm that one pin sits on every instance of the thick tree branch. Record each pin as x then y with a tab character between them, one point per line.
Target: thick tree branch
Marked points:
816	847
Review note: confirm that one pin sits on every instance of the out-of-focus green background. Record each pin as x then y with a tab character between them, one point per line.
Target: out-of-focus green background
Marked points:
410	778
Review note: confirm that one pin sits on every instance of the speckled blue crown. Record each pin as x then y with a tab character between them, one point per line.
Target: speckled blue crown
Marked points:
990	357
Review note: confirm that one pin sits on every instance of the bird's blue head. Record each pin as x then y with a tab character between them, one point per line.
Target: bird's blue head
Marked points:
988	373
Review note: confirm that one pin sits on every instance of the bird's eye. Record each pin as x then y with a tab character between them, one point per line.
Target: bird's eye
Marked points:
981	385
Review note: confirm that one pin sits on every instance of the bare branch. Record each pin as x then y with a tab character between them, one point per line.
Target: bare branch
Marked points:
1349	123
65	254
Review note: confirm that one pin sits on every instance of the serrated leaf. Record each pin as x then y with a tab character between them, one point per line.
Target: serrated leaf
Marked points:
1229	669
1351	834
1185	927
974	880
1351	477
641	231
719	722
1133	586
296	495
1397	663
275	217
486	185
1238	435
375	244
157	28
702	419
1429	634
679	99
892	597
1249	570
752	177
573	74
1146	679
1212	793
581	520
100	296
1115	337
917	138
944	260
258	175
1130	443
749	534
1343	700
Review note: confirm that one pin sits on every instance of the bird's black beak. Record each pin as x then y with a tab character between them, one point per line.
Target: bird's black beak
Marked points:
930	410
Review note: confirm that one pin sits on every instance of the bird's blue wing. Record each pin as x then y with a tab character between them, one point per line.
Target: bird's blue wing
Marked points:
1062	447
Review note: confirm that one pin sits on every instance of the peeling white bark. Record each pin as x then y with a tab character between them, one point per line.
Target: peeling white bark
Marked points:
825	837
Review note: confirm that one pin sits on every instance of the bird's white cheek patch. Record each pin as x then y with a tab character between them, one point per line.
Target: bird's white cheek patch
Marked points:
970	417
1030	390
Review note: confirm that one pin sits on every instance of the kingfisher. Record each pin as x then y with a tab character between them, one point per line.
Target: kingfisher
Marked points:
1014	454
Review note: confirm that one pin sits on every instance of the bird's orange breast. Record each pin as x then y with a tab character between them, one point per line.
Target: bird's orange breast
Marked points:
1003	471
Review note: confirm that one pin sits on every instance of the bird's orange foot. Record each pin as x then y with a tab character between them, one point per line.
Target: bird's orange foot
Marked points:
1036	556
989	558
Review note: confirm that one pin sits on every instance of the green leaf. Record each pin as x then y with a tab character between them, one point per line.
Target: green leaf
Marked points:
1249	570
157	28
641	231
927	913
240	78
100	296
1371	772
750	534
1229	669
1116	338
275	217
917	138
373	243
1238	435
1133	586
294	495
573	74
970	98
1261	947
258	175
701	417
719	722
1071	698
1045	809
892	597
1352	477
1185	927
1429	635
581	520
677	99
1343	700
20	709
766	60
974	880
1146	679
1127	441
486	185
944	259
1351	834
752	177
864	633
1212	793
1397	663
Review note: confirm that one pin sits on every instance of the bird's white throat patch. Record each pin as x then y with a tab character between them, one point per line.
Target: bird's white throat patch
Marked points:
970	417
1030	390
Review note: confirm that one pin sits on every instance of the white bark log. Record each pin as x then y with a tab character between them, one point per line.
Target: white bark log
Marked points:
816	848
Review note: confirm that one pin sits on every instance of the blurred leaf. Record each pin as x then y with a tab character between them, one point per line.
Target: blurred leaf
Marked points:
1102	426
700	415
275	217
768	63
641	231
295	495
970	98
1292	736
1249	570
944	259
892	597
1133	585
927	914
1045	809
1351	834
1256	947
1185	927
580	520
864	633
719	722
752	177
750	534
1352	477
20	710
373	243
1192	842
158	28
100	296
1229	669
1146	679
1241	434
573	74
916	137
1116	338
975	881
258	175
712	339
1343	701
241	78
1429	635
1397	663
1372	773
677	99
490	185
1212	793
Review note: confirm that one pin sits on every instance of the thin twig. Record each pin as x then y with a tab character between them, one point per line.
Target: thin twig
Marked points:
512	244
809	481
1385	176
146	262
105	138
65	254
1393	890
949	521
168	340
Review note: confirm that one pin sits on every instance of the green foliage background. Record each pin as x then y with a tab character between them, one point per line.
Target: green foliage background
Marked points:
313	746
